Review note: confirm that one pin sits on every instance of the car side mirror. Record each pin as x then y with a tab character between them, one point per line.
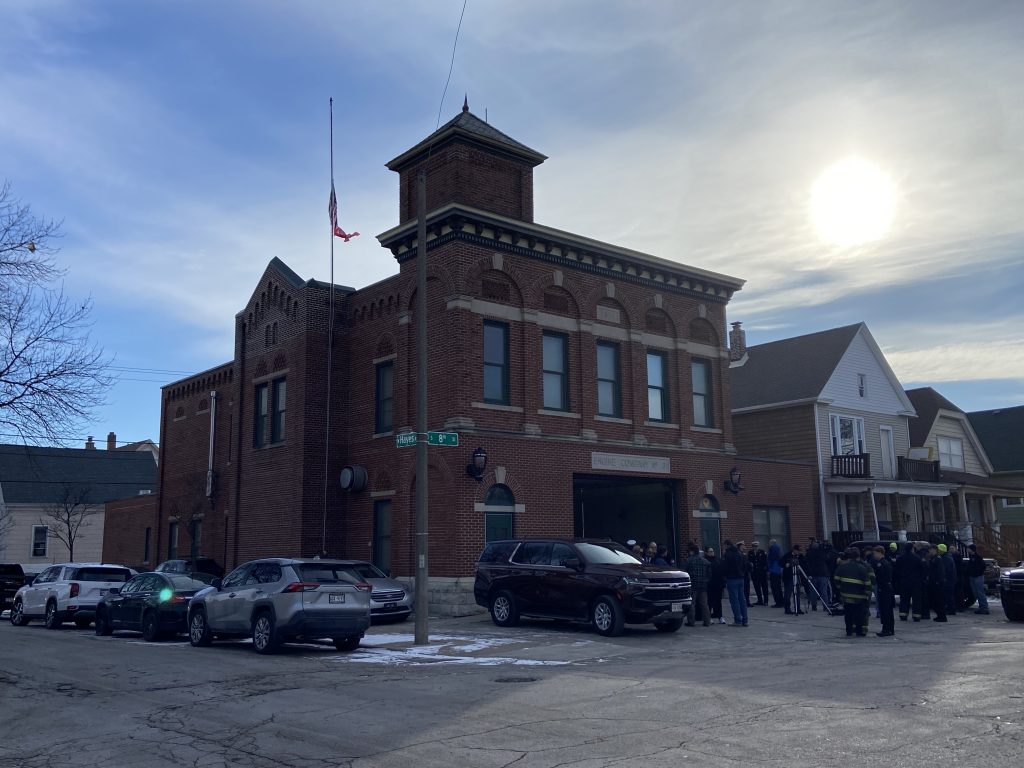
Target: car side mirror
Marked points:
114	591
574	563
217	584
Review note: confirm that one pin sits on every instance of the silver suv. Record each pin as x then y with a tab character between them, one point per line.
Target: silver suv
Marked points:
67	592
277	600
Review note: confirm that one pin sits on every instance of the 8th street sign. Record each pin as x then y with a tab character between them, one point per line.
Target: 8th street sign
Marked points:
408	439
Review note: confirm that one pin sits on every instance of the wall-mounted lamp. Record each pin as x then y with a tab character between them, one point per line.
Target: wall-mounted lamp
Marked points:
733	483
477	464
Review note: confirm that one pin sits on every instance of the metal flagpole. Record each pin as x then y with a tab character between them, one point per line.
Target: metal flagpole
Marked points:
330	355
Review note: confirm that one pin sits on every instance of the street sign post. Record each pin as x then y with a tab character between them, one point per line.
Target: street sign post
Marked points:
405	439
450	439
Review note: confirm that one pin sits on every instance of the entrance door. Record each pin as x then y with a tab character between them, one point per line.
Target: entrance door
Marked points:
623	508
888	453
711	533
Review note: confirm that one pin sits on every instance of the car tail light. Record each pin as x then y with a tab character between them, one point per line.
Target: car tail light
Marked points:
179	600
74	589
301	586
362	586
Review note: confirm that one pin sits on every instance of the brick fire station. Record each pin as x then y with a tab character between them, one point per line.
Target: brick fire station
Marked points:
588	385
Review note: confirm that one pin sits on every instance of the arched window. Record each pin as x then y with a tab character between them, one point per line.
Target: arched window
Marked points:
499	506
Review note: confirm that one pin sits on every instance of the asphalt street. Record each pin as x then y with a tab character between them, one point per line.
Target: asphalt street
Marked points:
785	691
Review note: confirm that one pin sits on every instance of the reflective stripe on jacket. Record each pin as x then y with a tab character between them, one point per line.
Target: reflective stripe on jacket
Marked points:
853	580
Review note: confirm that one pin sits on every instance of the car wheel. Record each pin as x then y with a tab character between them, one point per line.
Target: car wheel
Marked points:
347	644
51	621
264	634
150	627
199	633
1013	612
668	625
503	610
103	628
18	614
606	615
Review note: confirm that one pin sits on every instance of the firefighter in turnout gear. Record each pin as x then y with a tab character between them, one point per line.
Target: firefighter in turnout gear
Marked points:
910	573
854	581
883	576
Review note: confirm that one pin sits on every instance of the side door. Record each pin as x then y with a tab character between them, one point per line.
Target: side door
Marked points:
116	603
136	602
264	578
528	568
565	591
34	598
219	604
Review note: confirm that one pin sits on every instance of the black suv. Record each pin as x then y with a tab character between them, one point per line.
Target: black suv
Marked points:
594	581
1011	593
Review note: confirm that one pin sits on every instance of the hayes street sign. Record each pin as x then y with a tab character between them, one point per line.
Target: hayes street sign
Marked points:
405	439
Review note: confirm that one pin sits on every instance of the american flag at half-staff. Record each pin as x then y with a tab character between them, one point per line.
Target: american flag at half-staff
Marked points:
332	211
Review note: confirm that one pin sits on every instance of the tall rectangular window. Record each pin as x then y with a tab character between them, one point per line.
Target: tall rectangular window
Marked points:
147	545
382	534
700	373
657	390
951	453
556	371
772	523
270	412
39	536
847	435
172	540
385	397
495	362
609	387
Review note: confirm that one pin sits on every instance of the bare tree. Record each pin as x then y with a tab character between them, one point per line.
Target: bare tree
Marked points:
65	517
51	375
5	527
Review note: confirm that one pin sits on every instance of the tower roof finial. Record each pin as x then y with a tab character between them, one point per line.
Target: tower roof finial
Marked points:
465	103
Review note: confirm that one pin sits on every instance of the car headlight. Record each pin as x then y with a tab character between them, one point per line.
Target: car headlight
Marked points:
636	580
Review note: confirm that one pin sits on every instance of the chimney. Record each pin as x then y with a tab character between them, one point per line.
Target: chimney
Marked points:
737	342
89	444
111	441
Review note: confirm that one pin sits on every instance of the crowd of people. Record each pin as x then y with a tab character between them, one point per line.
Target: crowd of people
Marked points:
927	578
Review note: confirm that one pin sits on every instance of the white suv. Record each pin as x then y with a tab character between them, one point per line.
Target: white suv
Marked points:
67	592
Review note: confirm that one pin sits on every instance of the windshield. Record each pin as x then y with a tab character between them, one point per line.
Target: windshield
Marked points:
102	574
326	573
606	553
186	583
364	571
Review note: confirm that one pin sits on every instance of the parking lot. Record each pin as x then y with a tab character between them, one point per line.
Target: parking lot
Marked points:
787	691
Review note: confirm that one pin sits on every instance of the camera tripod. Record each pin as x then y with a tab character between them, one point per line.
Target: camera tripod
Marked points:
798	571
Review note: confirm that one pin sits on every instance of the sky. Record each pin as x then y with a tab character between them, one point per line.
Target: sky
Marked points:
185	144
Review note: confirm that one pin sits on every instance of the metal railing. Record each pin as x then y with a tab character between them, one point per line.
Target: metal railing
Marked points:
915	470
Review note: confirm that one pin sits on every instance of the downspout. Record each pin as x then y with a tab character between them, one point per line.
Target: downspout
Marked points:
241	386
821	475
209	464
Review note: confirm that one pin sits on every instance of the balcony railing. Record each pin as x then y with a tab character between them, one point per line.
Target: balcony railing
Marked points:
918	471
852	465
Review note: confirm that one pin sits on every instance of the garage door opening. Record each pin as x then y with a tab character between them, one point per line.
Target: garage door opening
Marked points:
625	508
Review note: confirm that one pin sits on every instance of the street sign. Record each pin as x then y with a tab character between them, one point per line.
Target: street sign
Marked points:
405	439
450	439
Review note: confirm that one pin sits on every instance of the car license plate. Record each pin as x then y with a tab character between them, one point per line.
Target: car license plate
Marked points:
677	607
336	597
390	606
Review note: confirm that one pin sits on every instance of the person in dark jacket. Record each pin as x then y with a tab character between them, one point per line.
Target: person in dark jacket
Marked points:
886	594
936	584
951	577
700	577
910	574
976	573
816	567
853	582
715	585
735	565
759	572
775	573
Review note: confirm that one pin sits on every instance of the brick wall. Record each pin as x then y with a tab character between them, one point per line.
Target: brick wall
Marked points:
124	532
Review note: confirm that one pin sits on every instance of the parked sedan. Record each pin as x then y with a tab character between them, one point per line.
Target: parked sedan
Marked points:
389	600
277	600
155	604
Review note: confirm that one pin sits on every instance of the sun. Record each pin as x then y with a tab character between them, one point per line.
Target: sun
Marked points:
852	202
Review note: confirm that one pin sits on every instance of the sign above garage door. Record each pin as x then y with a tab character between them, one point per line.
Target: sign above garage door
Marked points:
623	462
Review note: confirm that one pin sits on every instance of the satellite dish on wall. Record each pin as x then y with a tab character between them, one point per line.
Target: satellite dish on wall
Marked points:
353	478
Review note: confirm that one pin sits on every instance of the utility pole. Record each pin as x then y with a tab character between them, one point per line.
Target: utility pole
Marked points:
422	594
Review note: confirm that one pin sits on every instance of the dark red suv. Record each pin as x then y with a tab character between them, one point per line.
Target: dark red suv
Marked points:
592	581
